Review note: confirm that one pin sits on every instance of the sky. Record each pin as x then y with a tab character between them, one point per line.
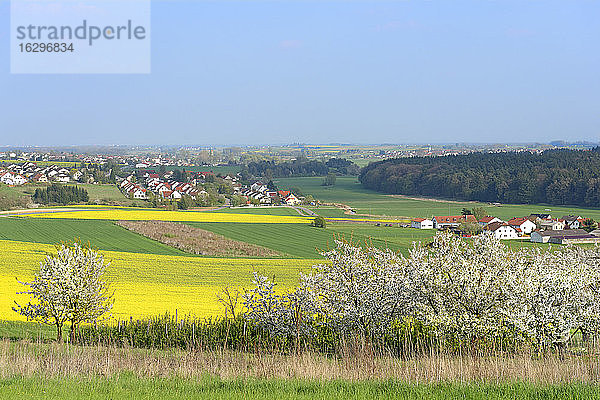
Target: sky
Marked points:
277	72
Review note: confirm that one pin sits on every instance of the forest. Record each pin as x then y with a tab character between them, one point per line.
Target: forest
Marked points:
302	167
559	177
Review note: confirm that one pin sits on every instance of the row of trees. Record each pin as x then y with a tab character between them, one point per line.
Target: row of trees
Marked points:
459	292
553	177
477	291
301	167
59	194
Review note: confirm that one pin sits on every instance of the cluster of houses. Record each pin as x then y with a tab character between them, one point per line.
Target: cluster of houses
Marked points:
540	228
166	188
163	188
21	174
259	191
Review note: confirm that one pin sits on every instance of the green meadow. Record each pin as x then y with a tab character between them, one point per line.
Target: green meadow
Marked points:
348	190
101	193
104	235
305	241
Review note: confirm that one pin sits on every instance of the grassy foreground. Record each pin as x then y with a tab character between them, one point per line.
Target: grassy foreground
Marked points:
49	370
127	386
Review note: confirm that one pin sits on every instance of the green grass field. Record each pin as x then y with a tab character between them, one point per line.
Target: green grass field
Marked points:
348	190
98	193
17	330
296	240
9	192
128	386
302	241
104	235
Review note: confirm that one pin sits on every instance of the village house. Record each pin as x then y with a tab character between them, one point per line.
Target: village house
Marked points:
502	230
524	225
421	223
452	221
572	221
13	179
488	220
258	187
288	198
139	193
552	225
41	178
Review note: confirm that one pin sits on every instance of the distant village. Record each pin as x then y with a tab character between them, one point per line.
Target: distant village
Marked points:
146	184
167	188
539	228
30	172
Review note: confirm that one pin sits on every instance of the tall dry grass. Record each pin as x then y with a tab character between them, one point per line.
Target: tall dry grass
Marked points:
359	363
195	240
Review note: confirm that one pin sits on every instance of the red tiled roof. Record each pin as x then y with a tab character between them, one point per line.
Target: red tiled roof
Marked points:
517	221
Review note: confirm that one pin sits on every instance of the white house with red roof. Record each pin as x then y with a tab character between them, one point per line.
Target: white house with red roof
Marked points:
525	225
10	178
288	197
421	223
483	221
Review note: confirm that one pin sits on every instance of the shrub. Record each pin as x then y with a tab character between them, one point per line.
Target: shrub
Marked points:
319	222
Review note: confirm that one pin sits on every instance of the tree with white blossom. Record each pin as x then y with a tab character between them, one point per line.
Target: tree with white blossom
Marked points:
466	289
69	287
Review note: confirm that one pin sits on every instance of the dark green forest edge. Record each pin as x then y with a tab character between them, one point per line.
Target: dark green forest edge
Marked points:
558	177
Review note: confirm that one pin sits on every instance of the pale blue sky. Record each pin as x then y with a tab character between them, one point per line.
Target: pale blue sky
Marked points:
250	72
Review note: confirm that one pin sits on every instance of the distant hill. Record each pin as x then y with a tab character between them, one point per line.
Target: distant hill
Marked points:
554	177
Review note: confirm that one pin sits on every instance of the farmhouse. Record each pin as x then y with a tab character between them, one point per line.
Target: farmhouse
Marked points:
502	230
452	221
523	224
288	198
488	220
544	236
421	223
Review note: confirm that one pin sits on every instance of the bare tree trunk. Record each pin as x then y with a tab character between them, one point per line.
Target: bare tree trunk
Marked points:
73	333
59	336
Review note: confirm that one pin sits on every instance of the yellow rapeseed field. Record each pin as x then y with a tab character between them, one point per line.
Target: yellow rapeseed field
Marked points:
175	216
150	284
